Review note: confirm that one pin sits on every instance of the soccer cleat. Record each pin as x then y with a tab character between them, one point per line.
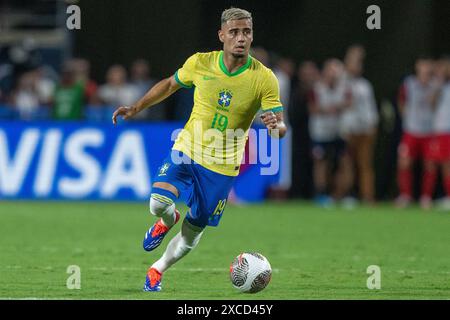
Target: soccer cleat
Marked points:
153	280
403	201
324	201
349	203
155	235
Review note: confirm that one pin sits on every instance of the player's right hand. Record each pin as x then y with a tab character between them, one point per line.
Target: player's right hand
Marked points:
125	112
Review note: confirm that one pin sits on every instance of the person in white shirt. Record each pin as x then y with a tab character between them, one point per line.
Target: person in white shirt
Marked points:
117	91
326	101
358	123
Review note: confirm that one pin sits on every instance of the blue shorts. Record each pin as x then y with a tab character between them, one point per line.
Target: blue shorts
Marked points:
206	191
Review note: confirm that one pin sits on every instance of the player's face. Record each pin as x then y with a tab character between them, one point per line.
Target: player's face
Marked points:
237	37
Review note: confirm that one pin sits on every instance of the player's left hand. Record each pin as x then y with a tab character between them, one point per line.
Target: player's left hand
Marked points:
270	120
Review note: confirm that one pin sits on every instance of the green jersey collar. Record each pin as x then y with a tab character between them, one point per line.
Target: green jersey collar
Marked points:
239	71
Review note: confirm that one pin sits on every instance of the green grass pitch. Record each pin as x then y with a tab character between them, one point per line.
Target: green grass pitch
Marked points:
315	253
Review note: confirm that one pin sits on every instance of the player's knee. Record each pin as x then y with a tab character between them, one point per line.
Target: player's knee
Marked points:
159	205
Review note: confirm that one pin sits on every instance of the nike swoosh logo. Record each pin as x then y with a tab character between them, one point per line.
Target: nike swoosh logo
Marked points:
208	78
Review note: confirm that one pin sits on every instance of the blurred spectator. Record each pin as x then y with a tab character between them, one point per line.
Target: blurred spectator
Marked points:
284	71
25	97
359	122
116	91
142	82
327	100
20	58
441	70
440	144
6	79
45	86
261	54
82	70
69	96
307	76
140	76
415	102
355	52
184	99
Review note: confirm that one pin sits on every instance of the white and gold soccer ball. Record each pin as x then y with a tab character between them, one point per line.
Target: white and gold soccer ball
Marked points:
250	272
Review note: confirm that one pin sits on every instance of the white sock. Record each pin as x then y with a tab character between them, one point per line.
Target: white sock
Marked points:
183	242
163	208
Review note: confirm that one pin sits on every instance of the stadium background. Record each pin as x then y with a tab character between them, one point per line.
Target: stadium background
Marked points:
301	30
165	33
121	32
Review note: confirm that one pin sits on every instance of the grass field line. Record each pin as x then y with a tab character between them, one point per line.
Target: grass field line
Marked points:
33	298
275	270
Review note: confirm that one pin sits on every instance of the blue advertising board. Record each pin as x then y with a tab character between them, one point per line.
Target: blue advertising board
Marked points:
97	161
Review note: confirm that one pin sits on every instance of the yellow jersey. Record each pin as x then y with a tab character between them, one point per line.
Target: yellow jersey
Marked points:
225	105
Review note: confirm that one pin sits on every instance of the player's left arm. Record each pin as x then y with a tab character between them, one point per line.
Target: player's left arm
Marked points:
274	122
272	116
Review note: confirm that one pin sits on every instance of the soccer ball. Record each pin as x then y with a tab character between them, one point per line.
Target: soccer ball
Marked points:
250	272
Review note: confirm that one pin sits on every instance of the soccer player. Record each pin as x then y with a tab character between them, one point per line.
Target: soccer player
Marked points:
230	87
416	107
440	145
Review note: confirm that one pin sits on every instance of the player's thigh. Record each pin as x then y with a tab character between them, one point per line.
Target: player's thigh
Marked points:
172	177
209	197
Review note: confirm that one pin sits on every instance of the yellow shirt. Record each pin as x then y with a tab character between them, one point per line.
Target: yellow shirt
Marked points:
225	105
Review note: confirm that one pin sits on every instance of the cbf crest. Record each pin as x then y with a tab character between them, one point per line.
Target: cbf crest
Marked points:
225	98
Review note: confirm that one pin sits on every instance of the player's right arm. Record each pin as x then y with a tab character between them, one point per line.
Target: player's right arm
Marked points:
156	94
